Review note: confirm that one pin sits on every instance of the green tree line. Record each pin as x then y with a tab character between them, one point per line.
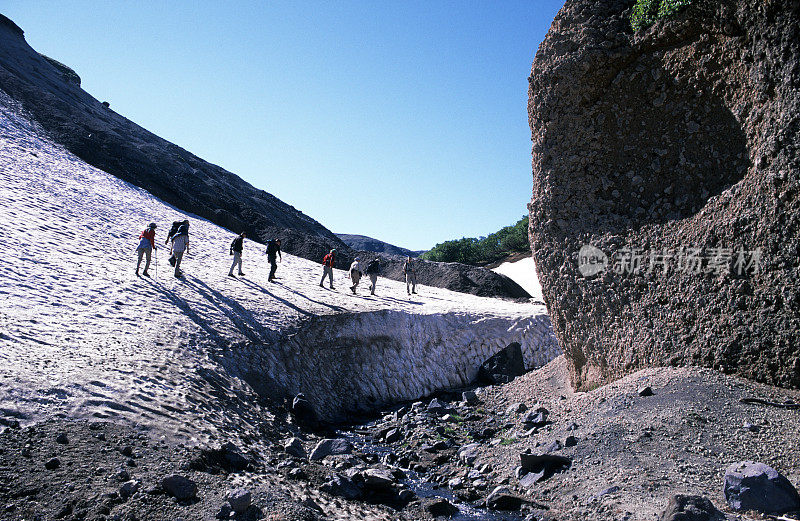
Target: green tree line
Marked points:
483	250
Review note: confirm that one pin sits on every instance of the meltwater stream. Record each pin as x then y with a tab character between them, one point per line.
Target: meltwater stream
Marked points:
426	489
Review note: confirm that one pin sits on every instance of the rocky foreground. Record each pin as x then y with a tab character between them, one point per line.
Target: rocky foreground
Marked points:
528	449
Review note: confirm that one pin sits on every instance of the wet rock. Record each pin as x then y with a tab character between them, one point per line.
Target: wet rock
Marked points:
691	508
294	447
329	447
503	366
755	486
129	488
502	498
439	506
341	486
469	453
646	391
239	500
378	478
179	487
52	464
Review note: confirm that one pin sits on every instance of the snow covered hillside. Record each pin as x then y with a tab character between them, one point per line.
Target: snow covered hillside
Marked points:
523	272
82	336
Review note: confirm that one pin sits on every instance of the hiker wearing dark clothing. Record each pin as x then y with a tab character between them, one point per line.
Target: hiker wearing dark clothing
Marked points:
176	225
147	243
411	276
355	274
237	246
179	246
273	253
327	267
373	268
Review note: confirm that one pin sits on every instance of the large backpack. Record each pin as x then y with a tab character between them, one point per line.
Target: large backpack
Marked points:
373	267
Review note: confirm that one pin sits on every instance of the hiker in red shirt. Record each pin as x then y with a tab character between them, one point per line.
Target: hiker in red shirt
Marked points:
327	267
147	243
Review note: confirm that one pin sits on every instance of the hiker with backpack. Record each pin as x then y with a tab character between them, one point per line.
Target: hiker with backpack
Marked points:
147	243
373	268
237	246
179	246
355	274
411	276
273	252
327	267
172	231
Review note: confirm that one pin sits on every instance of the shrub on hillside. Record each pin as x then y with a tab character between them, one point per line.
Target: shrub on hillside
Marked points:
483	250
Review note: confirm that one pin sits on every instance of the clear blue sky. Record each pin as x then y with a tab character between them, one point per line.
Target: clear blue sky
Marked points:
404	121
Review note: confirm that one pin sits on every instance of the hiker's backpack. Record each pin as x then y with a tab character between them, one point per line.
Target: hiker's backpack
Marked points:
327	260
174	229
373	267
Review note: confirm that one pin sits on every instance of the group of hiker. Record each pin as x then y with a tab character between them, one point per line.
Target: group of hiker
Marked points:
178	239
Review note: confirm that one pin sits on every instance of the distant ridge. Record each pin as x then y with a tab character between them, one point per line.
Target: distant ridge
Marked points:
364	243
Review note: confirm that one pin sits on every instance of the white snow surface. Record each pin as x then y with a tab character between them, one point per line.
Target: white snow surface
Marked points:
81	336
523	272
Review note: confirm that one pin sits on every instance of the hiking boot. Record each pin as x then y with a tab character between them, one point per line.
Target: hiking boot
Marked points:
320	285
240	273
231	275
137	272
353	289
145	274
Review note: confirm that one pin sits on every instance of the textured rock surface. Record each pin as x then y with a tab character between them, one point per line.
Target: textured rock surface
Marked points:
364	243
682	136
750	485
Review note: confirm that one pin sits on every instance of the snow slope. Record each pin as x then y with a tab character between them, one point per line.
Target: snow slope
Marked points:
523	272
81	336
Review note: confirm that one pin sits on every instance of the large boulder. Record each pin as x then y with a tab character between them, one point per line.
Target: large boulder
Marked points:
504	366
665	210
755	486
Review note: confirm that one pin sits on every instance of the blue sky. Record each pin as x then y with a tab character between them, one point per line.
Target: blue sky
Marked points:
403	121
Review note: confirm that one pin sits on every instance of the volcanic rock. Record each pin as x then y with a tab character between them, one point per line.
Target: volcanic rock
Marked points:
666	169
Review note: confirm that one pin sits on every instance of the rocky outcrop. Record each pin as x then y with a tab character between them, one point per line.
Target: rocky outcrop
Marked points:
50	92
364	243
665	215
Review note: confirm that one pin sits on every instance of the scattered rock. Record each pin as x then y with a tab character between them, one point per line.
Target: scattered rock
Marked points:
755	486
439	506
646	391
437	407
501	498
294	447
179	487
613	489
52	464
129	488
542	466
62	438
470	397
303	412
503	366
571	441
469	453
536	418
341	486
393	436
516	408
330	446
378	478
239	500
691	508
224	512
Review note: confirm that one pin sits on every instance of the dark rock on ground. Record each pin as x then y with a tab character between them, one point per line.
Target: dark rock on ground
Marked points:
503	366
646	391
294	447
330	446
691	508
52	464
439	506
179	487
540	467
240	500
341	486
502	498
682	140
755	486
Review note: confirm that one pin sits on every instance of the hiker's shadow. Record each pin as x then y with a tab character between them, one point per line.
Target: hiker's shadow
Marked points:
244	320
283	301
330	306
